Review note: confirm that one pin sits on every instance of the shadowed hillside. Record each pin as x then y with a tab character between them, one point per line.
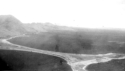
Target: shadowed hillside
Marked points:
28	61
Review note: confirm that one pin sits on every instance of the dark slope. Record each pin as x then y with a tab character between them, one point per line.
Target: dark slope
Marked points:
28	61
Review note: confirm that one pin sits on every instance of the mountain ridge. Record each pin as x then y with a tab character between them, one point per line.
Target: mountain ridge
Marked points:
11	26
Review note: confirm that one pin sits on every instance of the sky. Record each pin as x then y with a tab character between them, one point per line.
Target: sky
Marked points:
76	13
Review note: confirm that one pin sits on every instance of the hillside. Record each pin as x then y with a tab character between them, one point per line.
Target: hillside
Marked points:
10	26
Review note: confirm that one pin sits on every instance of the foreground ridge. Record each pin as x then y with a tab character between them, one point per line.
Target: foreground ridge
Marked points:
78	62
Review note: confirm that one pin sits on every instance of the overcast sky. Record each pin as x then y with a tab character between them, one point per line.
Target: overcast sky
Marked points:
80	13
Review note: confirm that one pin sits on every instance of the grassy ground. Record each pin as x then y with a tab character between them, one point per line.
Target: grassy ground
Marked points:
75	42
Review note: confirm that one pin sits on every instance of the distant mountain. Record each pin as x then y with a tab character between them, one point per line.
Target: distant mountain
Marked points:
10	26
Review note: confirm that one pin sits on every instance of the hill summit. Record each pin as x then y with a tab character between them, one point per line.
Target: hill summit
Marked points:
9	25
